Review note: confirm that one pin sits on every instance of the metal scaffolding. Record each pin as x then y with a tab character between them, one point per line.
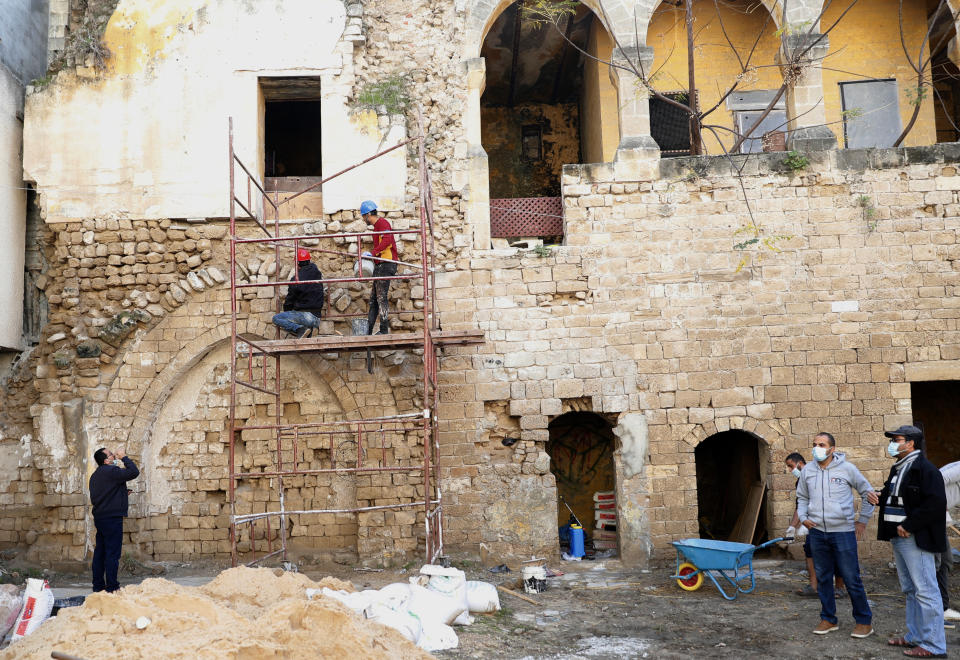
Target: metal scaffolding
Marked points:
374	444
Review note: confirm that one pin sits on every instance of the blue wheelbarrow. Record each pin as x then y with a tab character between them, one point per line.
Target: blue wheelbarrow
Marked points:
733	561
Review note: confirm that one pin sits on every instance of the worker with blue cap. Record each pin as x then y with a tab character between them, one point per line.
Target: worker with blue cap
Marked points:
385	251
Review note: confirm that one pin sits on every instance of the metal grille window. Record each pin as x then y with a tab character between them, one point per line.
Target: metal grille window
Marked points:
871	113
670	125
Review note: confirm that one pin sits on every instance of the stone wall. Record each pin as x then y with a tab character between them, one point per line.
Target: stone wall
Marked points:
644	311
643	317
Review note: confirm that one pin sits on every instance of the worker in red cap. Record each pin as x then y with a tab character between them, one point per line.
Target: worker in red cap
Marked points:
385	249
304	302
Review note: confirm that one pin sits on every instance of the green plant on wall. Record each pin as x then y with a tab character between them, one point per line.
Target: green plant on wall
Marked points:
868	211
796	161
388	95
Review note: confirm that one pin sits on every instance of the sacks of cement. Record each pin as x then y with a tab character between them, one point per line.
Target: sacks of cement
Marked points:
452	583
37	605
423	610
11	603
482	597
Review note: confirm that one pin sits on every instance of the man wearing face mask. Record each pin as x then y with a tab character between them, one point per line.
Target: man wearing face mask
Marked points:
795	463
825	508
913	509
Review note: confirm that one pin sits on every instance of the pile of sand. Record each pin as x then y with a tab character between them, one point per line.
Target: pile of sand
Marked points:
248	613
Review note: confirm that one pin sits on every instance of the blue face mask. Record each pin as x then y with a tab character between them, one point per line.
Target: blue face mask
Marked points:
796	472
819	454
893	449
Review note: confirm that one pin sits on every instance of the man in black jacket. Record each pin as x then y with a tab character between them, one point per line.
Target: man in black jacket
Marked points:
108	494
913	507
304	302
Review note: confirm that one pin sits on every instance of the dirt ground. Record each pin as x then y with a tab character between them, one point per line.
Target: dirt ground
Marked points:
601	610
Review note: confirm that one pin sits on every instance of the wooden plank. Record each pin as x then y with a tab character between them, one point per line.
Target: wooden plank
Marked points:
338	343
747	521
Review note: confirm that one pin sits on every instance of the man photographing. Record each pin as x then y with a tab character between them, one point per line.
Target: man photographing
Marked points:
108	494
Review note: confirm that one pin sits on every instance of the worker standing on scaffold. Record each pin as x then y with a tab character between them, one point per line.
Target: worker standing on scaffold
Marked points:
385	249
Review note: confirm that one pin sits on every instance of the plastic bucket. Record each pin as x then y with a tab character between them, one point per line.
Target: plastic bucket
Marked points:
576	541
534	579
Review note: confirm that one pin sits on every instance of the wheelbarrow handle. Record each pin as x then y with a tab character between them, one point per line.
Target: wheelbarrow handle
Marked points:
771	542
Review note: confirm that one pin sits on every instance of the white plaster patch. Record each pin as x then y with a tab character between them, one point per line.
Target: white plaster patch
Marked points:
50	433
26	453
845	306
632	431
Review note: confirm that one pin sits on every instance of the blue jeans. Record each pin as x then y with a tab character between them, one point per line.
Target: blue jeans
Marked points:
918	581
836	553
106	554
294	322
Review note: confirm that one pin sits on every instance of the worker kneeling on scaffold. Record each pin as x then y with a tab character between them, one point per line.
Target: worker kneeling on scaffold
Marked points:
385	249
304	302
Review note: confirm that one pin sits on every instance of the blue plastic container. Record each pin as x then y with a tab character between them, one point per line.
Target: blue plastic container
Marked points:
576	541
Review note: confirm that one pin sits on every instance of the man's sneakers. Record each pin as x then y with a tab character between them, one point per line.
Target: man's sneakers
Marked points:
862	630
951	614
826	627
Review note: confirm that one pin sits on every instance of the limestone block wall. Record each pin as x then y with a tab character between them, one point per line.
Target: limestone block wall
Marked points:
137	353
643	312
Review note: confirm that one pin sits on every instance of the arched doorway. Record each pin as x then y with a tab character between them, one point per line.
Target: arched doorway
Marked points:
545	104
731	487
581	460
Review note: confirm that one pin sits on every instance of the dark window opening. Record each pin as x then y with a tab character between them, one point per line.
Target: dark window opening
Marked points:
935	411
670	125
731	493
946	97
532	143
292	138
292	134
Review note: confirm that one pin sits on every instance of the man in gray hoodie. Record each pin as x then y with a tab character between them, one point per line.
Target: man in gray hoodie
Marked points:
825	507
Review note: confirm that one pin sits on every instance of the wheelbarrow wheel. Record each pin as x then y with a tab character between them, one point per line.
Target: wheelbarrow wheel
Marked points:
692	583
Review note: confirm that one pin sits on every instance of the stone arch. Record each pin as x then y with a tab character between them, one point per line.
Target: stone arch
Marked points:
153	397
770	447
615	15
700	432
796	14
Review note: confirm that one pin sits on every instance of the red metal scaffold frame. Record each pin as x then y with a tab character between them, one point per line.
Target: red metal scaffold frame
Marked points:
287	439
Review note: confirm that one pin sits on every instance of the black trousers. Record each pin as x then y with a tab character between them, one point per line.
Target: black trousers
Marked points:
379	303
106	555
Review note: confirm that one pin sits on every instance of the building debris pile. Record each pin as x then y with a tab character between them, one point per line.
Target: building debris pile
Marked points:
244	612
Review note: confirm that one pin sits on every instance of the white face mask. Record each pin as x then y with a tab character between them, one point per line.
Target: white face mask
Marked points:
893	449
118	462
796	472
819	454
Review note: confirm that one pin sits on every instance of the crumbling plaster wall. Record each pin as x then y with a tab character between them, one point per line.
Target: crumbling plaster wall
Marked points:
151	128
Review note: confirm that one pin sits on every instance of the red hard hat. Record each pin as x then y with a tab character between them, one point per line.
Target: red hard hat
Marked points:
303	255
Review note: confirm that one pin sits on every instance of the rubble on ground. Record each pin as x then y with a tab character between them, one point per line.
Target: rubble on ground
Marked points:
251	613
